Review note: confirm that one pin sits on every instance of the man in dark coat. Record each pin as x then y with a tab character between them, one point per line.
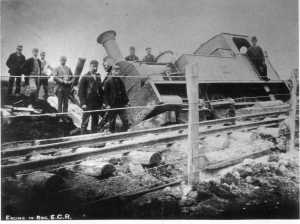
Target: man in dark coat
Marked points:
132	56
32	69
257	57
149	57
32	66
91	96
14	63
115	96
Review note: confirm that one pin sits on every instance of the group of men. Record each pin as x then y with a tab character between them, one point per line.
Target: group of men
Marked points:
254	52
94	94
149	58
33	66
110	93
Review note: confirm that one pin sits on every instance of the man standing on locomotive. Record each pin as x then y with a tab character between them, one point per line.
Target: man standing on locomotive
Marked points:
257	57
131	56
149	57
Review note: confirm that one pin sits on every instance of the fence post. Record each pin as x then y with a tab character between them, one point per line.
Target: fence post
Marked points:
195	157
292	115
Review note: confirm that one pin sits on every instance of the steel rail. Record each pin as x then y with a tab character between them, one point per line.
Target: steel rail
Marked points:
93	139
37	164
234	161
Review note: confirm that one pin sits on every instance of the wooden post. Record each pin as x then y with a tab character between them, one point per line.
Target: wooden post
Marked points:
196	159
292	115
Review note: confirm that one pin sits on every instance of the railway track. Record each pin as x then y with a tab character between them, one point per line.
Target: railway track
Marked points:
129	141
56	144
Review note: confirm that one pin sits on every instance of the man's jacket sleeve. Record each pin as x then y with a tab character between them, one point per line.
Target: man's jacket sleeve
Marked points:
21	66
101	92
40	65
262	54
82	91
106	92
9	61
25	71
123	90
72	75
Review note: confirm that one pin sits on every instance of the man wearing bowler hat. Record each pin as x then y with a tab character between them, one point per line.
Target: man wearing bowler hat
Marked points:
91	96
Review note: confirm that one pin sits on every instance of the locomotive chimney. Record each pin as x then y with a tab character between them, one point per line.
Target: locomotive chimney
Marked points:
108	40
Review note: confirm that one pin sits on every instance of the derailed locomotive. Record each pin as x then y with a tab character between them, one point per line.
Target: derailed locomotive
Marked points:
226	76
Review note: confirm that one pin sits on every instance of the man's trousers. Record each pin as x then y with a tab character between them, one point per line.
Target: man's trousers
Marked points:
63	98
86	118
11	81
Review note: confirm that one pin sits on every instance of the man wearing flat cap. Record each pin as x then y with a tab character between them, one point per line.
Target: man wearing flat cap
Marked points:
257	57
149	58
91	96
131	56
64	79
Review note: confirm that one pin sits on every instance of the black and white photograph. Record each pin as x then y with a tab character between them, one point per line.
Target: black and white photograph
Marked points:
149	110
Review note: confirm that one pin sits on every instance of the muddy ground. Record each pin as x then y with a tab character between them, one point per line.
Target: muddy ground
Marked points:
255	189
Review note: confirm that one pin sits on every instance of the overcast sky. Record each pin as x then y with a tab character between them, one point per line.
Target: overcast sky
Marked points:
70	27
